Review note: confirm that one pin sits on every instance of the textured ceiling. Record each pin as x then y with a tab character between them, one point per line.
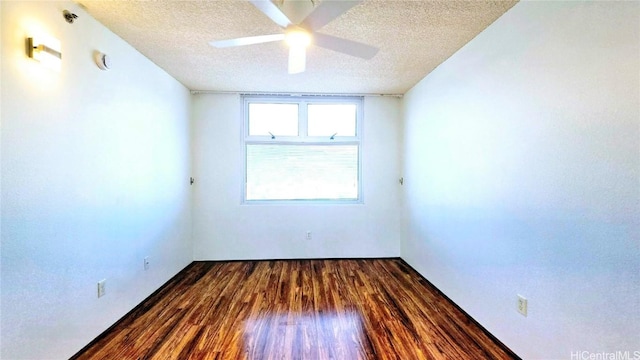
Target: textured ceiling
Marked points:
414	37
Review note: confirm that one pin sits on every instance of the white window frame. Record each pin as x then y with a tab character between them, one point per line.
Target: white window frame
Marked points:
302	138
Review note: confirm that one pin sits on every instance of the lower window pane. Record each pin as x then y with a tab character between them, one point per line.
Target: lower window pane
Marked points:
302	172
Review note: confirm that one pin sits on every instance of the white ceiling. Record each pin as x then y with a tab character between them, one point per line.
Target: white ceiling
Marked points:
414	37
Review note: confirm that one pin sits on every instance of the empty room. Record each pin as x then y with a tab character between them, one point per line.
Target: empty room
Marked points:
320	179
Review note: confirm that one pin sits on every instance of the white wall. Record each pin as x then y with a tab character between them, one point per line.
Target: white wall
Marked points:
224	229
95	169
522	165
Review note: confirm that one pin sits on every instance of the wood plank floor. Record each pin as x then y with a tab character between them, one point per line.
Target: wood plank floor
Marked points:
297	309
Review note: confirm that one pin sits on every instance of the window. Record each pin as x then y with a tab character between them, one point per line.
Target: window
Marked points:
302	149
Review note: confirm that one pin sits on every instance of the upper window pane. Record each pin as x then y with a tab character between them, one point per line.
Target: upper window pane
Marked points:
273	119
330	119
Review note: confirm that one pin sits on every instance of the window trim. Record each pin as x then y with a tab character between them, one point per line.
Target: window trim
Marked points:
302	139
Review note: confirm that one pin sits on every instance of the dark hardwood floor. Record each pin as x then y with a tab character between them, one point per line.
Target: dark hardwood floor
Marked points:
297	309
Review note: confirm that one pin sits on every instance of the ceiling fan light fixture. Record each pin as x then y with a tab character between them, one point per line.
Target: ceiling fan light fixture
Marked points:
300	34
298	38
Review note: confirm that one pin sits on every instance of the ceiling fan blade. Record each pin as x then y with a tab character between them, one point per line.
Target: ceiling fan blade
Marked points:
326	12
250	40
272	11
348	47
297	59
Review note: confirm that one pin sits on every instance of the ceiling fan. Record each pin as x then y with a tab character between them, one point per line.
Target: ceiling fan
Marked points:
299	36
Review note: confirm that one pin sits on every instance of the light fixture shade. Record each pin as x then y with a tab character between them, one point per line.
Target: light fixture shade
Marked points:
47	52
298	38
297	59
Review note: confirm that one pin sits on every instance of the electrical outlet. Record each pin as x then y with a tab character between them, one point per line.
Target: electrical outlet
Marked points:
146	263
101	287
308	235
522	305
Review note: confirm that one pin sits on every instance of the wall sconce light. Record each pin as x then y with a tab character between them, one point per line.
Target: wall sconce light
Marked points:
47	54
